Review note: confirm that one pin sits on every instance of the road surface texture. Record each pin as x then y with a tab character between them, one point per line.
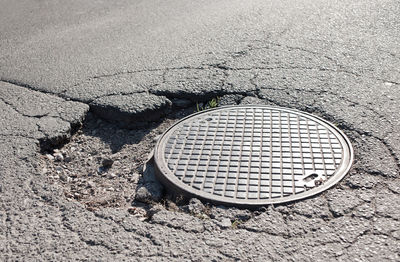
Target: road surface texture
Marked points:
87	86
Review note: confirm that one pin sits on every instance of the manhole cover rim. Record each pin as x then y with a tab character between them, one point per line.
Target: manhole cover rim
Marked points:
173	183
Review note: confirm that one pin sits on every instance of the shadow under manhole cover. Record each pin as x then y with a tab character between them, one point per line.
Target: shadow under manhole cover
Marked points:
252	155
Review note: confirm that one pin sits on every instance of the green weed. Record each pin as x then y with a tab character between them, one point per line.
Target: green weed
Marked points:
213	103
236	223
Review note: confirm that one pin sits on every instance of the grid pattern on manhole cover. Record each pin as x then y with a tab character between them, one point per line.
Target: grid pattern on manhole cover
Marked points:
252	155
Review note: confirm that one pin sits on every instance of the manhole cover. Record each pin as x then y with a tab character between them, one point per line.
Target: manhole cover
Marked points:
252	155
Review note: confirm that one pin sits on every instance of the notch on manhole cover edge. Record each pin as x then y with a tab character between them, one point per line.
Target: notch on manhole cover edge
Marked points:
251	155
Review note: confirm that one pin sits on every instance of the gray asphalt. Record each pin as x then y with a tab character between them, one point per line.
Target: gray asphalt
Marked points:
131	62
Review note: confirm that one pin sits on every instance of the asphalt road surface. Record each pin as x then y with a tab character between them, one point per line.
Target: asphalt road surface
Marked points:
136	63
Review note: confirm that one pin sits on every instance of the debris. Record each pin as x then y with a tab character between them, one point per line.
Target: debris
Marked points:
225	223
150	192
140	213
50	157
58	156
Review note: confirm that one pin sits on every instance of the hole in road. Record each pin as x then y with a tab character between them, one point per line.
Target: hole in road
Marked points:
102	163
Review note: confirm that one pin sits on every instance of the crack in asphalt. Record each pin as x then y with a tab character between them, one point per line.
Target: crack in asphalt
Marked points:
343	124
116	94
64	221
51	203
307	51
14	108
266	45
80	237
226	69
220	66
61	209
321	92
3	136
154	241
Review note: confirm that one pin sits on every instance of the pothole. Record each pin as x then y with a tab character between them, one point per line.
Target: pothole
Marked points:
102	164
252	155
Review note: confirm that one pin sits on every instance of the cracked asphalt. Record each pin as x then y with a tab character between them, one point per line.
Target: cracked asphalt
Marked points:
137	66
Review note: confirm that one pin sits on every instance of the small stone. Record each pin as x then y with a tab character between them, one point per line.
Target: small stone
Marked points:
148	193
58	156
172	206
44	170
50	157
67	159
59	169
143	195
112	175
225	223
107	162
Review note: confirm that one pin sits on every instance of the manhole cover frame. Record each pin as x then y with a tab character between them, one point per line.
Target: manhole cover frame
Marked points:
177	187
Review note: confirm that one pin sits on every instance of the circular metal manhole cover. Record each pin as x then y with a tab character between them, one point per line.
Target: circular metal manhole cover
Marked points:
252	155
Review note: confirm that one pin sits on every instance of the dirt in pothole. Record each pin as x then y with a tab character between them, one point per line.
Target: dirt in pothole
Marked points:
101	164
